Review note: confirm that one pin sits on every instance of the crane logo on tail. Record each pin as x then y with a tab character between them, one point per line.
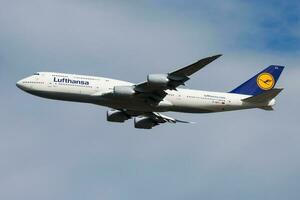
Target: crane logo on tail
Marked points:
265	81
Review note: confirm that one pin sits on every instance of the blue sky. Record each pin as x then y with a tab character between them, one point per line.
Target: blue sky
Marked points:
61	150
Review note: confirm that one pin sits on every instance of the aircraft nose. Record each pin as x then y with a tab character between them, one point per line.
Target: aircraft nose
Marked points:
20	85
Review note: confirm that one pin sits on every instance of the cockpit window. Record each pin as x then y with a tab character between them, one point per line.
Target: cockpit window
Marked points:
36	73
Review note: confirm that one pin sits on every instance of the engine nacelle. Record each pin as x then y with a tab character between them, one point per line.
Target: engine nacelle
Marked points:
124	91
116	116
143	123
161	80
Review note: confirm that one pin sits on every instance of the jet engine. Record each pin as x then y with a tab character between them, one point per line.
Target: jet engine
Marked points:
159	80
124	91
144	123
116	116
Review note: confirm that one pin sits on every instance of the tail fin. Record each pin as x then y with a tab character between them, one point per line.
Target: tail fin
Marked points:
261	82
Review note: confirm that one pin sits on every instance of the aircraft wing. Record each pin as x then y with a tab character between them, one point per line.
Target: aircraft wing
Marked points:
149	120
153	115
191	69
156	84
163	118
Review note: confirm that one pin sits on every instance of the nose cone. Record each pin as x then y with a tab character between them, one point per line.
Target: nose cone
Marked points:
21	85
18	84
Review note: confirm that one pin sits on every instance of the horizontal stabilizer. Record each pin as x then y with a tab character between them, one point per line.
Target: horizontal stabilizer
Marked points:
264	97
268	108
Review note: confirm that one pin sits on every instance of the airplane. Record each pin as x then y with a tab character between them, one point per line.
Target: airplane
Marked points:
146	101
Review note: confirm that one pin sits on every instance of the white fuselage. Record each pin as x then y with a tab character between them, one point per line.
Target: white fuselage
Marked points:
100	91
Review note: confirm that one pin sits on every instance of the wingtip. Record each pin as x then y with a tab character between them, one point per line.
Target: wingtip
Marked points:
215	57
211	58
185	122
218	55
